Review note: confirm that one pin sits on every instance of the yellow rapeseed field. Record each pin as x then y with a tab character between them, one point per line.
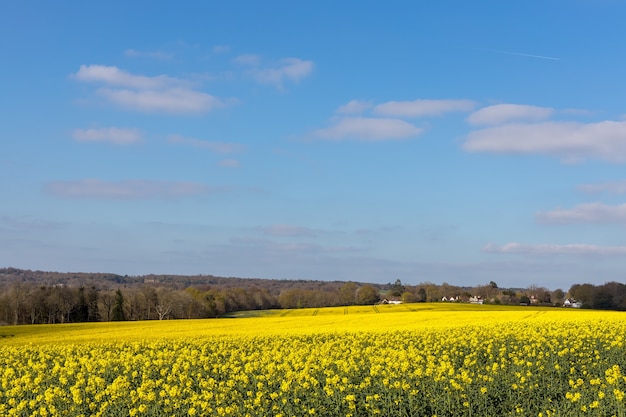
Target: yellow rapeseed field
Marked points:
404	360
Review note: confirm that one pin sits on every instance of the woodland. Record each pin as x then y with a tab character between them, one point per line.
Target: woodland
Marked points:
35	297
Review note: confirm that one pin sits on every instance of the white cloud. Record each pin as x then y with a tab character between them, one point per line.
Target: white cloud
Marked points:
419	108
613	187
355	107
286	230
567	140
368	129
501	113
173	100
108	134
292	69
117	77
218	147
549	249
126	189
586	213
151	94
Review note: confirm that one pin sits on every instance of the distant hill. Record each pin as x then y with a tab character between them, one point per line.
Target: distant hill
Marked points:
112	281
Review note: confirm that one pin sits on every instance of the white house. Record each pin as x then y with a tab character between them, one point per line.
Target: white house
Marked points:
476	300
570	302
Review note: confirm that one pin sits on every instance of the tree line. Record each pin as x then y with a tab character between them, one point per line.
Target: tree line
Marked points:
35	297
609	296
22	303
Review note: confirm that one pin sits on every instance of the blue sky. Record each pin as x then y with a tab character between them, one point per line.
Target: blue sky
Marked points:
369	141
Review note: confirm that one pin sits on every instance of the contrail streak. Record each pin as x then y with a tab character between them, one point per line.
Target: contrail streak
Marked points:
526	55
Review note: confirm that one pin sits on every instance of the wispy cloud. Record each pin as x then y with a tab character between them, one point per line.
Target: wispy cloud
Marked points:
127	189
248	59
438	234
501	113
174	100
159	93
277	251
576	249
221	49
368	129
585	213
118	136
116	77
569	141
229	163
420	108
214	146
25	223
578	112
287	230
385	121
355	107
286	69
148	54
613	187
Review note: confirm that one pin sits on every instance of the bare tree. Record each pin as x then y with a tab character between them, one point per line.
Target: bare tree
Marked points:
107	300
164	303
18	294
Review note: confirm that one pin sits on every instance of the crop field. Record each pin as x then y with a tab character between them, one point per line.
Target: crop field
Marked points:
393	360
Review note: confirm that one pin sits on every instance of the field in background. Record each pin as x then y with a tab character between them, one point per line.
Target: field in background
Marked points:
410	359
283	322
